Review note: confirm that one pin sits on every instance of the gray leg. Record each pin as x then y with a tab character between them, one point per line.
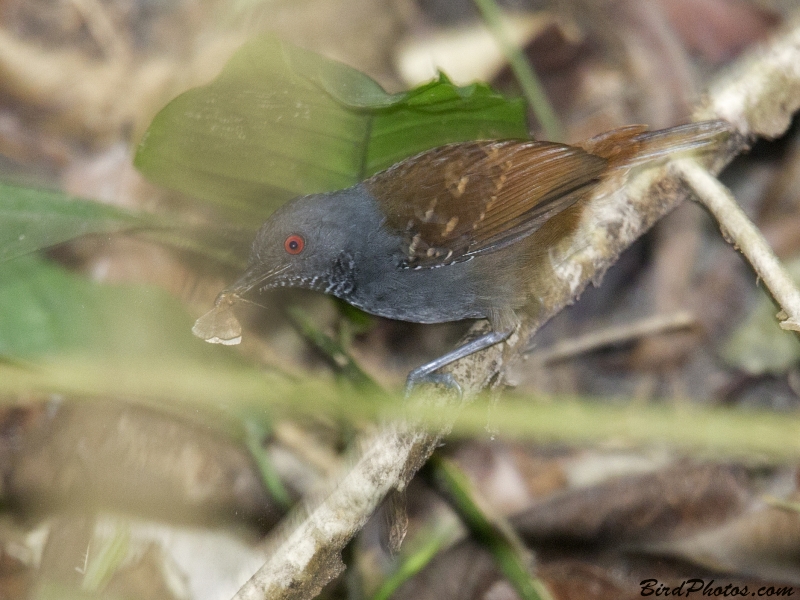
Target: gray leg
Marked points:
426	374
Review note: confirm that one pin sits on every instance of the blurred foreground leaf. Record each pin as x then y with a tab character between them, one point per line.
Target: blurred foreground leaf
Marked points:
784	504
281	121
46	311
31	219
238	390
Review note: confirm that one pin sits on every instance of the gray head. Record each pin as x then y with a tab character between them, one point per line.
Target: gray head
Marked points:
310	242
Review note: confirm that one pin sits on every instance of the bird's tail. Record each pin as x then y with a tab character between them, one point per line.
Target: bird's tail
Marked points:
634	145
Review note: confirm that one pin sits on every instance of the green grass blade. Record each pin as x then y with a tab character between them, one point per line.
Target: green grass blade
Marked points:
493	533
341	360
105	561
413	564
523	71
255	434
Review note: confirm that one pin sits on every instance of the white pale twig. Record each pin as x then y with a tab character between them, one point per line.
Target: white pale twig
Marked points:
744	235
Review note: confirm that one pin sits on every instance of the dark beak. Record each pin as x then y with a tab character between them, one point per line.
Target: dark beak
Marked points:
254	277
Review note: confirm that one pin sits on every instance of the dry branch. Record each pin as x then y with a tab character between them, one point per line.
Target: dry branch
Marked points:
615	335
741	232
758	96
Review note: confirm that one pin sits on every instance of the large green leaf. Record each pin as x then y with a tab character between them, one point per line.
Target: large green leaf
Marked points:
281	121
439	113
46	311
32	219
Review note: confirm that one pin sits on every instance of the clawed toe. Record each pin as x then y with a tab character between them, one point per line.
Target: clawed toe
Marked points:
416	379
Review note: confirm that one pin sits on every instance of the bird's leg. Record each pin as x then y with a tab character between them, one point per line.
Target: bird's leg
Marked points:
426	373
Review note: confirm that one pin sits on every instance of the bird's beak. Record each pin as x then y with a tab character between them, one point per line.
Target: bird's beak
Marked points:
254	277
251	278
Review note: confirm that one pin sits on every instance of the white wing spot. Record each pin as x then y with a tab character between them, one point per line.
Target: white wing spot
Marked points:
451	225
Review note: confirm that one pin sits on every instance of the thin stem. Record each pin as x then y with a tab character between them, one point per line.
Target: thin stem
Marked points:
494	533
744	235
523	71
614	335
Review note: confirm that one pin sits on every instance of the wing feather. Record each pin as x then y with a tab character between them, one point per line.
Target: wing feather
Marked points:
460	200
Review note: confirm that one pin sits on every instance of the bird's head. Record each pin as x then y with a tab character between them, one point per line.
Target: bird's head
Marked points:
310	242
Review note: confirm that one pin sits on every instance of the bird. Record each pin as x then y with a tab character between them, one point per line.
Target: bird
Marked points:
449	234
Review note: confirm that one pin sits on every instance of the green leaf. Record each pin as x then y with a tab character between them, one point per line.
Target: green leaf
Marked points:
281	121
439	113
46	311
32	219
258	133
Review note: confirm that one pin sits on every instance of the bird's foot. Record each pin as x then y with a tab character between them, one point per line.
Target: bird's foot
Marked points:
422	376
427	372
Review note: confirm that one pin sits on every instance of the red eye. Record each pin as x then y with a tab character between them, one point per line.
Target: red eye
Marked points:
294	244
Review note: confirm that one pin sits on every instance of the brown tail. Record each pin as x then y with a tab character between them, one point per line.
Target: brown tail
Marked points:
634	145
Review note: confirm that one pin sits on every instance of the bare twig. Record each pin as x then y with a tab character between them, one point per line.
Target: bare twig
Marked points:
309	555
758	97
614	335
740	231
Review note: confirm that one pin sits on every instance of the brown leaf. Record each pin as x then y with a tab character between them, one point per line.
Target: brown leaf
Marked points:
652	506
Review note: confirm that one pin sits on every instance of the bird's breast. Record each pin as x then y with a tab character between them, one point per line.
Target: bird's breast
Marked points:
417	295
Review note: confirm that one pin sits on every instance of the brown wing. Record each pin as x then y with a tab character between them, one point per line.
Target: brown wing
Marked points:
459	200
634	145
